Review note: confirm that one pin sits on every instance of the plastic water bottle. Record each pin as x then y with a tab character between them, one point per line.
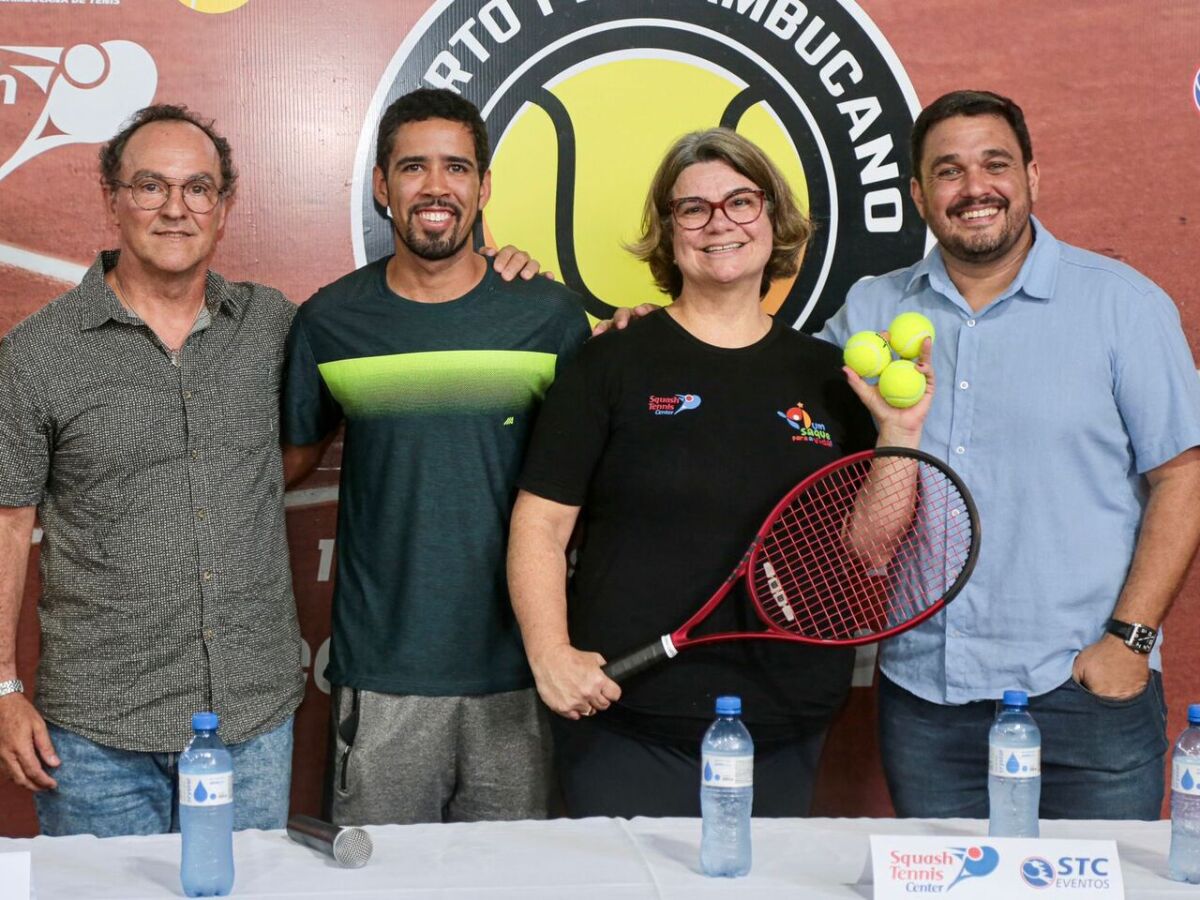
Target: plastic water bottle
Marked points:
726	792
1014	769
206	811
1184	861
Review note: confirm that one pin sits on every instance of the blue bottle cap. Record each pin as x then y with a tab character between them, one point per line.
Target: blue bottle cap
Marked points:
1194	714
205	721
730	705
1016	698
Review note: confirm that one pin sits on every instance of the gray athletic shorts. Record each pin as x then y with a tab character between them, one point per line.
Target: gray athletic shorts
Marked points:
404	758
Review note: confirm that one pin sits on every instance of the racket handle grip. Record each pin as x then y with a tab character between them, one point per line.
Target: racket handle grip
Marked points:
637	661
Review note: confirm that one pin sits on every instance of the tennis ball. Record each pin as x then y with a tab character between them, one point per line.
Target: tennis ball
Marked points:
867	353
907	332
551	194
901	385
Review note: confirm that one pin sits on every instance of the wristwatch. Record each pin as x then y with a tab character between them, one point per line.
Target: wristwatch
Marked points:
12	686
1137	637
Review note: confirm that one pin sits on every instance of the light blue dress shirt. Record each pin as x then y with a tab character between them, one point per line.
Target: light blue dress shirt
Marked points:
1051	404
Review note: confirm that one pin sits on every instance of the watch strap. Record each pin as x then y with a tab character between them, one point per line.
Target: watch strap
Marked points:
12	686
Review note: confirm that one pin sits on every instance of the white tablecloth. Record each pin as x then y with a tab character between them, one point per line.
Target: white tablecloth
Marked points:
562	859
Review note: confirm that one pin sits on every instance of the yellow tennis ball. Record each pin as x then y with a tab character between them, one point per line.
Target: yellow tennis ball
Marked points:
867	353
907	332
901	385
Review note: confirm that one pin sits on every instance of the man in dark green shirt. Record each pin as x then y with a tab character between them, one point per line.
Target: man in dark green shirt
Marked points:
436	367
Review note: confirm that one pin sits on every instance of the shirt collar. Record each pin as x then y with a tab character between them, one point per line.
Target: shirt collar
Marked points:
101	304
1035	280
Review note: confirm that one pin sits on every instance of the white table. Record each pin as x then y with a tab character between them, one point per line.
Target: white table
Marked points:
562	859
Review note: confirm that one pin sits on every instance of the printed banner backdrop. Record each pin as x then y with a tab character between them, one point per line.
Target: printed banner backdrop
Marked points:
580	99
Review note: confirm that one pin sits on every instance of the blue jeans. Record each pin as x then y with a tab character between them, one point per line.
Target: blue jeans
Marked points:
1101	758
109	792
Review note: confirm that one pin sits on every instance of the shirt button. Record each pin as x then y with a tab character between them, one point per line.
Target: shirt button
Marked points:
200	514
960	449
187	395
195	454
970	323
208	634
964	384
208	575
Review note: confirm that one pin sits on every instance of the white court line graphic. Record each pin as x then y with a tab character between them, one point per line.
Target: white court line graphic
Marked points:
310	496
41	264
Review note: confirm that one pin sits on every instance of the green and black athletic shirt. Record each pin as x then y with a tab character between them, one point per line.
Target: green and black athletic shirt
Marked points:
438	399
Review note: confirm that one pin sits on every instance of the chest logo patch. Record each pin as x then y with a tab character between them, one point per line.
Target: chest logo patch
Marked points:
807	431
673	404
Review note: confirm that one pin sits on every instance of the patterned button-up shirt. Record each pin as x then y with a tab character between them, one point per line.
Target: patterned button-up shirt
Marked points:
157	476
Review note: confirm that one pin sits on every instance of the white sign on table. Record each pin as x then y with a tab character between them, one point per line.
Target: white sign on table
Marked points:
1000	868
14	876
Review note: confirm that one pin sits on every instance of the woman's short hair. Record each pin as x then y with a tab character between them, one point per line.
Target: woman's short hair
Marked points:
790	227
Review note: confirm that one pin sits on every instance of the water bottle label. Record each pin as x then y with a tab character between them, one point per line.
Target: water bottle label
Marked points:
1015	762
206	790
1185	778
727	771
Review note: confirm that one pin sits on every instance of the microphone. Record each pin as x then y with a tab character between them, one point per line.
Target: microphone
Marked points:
349	847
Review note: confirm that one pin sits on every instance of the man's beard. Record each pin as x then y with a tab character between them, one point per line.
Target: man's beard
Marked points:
984	247
431	248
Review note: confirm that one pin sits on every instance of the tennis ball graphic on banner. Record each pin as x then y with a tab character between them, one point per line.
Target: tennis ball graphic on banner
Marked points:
908	332
214	6
581	101
867	353
616	149
901	385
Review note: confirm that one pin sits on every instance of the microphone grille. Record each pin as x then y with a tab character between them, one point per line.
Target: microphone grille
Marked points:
352	848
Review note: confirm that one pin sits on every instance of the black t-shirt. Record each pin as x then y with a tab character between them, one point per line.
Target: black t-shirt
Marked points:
677	450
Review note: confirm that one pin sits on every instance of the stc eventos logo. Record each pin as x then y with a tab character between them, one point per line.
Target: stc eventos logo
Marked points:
936	873
1072	873
673	404
582	99
808	431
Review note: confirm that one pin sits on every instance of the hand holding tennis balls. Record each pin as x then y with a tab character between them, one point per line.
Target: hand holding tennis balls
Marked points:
903	383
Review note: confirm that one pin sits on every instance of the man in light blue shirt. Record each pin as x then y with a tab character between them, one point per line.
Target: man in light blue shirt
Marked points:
1069	403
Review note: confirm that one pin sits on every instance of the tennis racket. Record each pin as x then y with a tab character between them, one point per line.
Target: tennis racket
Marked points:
861	550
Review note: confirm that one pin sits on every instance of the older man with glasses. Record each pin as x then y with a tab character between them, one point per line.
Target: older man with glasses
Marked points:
139	417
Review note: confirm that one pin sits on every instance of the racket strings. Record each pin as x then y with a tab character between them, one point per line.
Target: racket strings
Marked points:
867	548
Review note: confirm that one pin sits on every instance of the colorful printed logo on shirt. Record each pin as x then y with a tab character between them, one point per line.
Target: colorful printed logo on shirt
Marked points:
583	99
976	862
808	431
673	404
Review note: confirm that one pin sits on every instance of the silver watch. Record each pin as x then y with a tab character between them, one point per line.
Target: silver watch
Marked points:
12	686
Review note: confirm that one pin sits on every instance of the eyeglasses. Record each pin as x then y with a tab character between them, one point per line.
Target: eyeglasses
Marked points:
741	208
199	194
